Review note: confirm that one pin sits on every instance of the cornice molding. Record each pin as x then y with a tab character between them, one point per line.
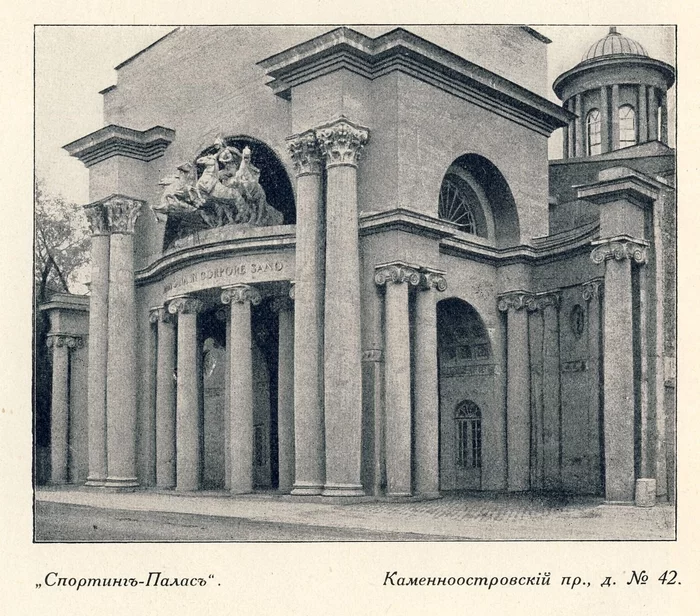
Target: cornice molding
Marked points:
400	50
114	140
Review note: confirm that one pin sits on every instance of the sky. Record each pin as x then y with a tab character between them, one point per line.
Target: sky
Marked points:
73	63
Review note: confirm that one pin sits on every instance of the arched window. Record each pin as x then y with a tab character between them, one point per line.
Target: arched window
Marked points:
459	204
468	425
628	134
593	131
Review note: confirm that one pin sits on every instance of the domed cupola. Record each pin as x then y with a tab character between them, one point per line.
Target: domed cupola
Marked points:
614	44
619	95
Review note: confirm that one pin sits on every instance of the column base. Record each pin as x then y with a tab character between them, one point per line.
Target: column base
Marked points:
306	489
398	495
342	489
95	482
121	483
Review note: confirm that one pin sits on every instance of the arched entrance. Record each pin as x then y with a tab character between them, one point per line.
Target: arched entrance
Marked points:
466	385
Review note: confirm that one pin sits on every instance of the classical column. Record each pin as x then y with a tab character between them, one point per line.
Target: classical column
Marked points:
188	409
518	388
565	142
548	303
663	137
397	344
642	115
240	297
122	213
571	129
285	393
618	363
604	120
309	444
425	386
341	142
97	345
652	110
165	397
60	404
615	114
580	141
592	292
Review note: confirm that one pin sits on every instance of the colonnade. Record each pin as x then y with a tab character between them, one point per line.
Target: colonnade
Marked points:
651	119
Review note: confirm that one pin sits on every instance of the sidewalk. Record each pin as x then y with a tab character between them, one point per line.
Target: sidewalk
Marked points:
473	516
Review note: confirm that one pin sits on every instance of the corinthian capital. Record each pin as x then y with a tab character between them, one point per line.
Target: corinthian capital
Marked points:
620	248
240	294
396	273
185	305
305	153
97	217
341	141
64	340
122	213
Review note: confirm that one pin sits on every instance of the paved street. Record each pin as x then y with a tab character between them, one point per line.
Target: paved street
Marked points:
160	516
69	523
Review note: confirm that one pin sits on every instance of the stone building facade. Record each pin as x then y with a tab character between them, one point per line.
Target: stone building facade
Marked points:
363	276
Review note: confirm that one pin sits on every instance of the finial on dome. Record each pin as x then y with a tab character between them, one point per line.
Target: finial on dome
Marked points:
613	30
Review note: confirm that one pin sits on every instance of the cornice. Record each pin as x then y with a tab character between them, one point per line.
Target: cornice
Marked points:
621	183
622	61
67	301
114	140
400	50
401	219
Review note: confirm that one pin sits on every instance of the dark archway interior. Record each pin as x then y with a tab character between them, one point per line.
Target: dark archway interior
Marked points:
462	336
273	179
499	195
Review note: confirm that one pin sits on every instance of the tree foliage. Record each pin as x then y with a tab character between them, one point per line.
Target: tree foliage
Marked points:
61	243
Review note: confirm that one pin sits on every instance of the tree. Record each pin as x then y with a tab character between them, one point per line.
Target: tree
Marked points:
61	243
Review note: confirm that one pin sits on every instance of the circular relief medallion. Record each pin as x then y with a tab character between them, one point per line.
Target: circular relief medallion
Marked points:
578	320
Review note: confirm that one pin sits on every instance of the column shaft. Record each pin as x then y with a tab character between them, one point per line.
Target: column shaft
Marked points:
653	110
604	121
188	444
308	338
551	398
565	142
342	349
241	412
592	295
518	401
663	137
618	370
59	413
642	115
97	359
427	427
121	368
285	400
615	114
580	141
398	390
165	404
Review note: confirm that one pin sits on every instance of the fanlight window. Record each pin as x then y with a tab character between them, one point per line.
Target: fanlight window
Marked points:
627	126
593	129
468	424
457	203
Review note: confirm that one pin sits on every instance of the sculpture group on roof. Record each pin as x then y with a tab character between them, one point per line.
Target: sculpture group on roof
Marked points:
225	191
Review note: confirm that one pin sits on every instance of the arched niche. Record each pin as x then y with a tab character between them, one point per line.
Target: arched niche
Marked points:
273	180
476	197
